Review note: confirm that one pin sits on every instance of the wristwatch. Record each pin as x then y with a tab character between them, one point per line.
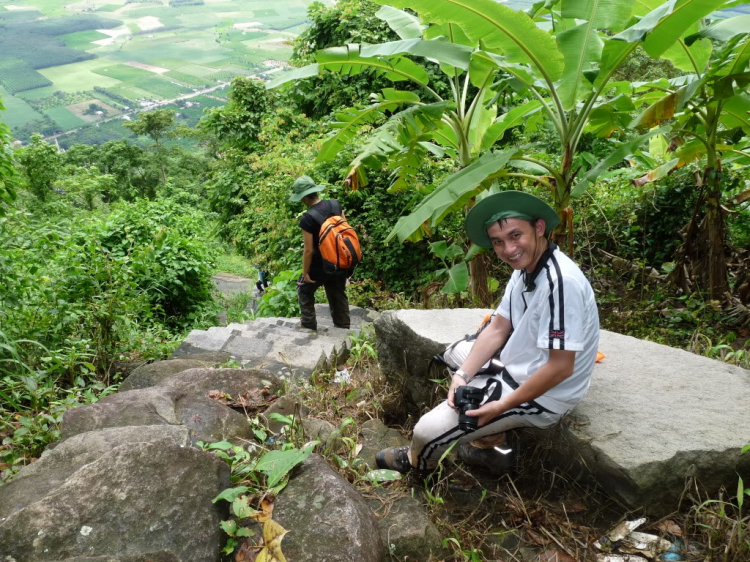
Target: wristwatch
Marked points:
463	375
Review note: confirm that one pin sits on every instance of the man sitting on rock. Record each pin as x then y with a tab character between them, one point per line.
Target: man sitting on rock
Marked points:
534	360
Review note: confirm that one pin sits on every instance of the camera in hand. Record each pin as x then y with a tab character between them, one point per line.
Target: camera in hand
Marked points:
468	398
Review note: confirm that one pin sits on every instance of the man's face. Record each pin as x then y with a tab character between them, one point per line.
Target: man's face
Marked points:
516	242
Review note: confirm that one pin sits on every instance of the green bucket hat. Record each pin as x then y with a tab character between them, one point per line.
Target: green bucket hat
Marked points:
507	205
302	186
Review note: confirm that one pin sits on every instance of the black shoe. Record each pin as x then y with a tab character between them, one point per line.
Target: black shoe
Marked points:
497	460
394	458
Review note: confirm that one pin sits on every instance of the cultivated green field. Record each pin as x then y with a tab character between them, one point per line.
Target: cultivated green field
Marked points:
143	51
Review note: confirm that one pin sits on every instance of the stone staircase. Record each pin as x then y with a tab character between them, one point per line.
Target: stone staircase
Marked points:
277	345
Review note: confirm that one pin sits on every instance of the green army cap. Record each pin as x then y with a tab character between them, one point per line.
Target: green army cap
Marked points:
507	205
302	186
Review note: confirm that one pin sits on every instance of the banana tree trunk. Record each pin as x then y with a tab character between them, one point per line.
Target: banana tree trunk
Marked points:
716	235
479	273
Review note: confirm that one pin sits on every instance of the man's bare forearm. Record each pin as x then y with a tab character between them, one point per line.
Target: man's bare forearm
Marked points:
487	345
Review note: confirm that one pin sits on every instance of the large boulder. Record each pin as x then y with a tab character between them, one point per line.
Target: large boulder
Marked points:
201	381
407	340
148	557
654	415
326	517
56	465
137	499
207	420
154	373
376	436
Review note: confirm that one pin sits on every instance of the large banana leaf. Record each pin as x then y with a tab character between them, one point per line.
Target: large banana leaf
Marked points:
624	150
438	51
349	121
499	28
581	45
661	27
613	115
484	63
723	31
667	106
347	60
404	24
736	112
454	192
483	116
692	57
514	117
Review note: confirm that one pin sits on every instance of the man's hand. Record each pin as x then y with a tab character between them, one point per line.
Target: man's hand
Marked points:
456	381
488	412
307	279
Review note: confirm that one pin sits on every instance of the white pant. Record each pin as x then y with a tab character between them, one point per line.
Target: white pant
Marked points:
438	428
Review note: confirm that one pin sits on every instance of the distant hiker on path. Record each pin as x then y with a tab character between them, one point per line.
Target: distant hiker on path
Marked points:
533	362
313	273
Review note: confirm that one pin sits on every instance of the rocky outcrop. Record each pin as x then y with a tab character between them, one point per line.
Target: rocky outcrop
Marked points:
154	373
135	499
326	517
654	415
206	419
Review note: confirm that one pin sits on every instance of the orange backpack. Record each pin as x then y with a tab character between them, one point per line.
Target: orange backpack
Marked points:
338	244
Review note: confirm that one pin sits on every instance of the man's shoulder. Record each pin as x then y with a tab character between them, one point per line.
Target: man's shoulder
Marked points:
562	268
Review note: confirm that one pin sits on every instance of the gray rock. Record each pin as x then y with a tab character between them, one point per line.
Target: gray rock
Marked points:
320	430
653	417
406	530
199	382
154	373
206	419
288	406
407	340
136	499
38	479
375	437
149	557
327	518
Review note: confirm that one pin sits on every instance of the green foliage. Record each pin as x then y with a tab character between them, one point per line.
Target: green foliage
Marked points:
280	298
238	124
18	76
155	124
41	166
349	21
8	173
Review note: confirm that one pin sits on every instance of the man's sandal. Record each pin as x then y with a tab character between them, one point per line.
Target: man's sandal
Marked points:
394	458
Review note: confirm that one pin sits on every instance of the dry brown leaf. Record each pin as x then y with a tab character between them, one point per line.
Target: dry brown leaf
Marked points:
575	507
219	396
670	527
535	538
555	556
246	553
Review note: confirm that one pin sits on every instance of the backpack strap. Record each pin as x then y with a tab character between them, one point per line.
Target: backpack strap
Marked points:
334	208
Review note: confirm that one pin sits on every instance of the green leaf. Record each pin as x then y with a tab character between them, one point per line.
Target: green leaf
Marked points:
456	189
458	279
481	120
229	527
512	118
723	31
735	112
296	74
276	464
439	248
404	24
692	58
740	492
347	60
666	23
614	115
581	46
615	157
223	445
382	475
745	449
440	52
497	27
349	121
230	494
612	14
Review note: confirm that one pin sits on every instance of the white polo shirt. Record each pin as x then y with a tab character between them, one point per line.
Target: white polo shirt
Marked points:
556	311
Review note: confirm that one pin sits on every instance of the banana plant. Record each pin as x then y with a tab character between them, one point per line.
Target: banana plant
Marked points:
710	111
559	56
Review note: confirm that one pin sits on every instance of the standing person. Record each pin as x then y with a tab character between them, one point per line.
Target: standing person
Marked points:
313	275
534	360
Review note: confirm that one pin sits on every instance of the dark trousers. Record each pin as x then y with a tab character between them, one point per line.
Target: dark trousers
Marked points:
335	287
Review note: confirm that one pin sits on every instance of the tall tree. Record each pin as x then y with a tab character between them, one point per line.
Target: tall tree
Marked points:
41	166
158	125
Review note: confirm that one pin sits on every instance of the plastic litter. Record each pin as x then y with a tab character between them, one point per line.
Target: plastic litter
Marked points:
643	543
618	533
619	558
342	376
